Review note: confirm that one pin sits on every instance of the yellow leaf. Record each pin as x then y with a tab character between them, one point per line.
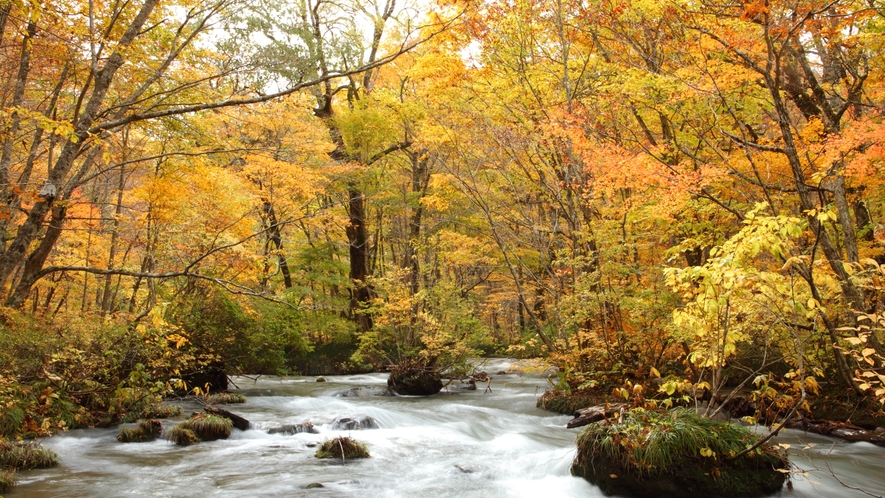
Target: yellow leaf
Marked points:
654	372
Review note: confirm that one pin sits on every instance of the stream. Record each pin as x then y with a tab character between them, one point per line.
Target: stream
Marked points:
464	444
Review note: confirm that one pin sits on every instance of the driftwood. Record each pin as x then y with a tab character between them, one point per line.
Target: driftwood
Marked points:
238	421
586	416
841	430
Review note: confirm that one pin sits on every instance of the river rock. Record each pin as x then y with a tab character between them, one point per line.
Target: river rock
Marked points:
414	380
291	429
364	392
354	424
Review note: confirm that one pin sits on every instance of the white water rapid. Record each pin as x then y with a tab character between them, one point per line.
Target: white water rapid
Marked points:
470	444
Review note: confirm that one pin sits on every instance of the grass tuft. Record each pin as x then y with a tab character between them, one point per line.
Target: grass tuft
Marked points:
181	436
8	479
226	399
26	456
568	403
675	453
343	448
147	430
209	427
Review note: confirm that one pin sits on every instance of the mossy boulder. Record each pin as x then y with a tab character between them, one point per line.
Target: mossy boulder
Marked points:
209	427
568	402
200	427
225	399
343	448
181	436
414	378
146	430
676	454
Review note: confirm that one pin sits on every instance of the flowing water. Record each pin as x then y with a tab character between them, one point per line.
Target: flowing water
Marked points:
469	444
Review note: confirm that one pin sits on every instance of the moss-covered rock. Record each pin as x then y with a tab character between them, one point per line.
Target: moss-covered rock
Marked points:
568	402
414	378
147	430
208	427
342	448
676	454
181	436
226	399
200	427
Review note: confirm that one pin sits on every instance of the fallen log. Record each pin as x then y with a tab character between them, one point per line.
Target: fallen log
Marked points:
238	421
586	416
841	430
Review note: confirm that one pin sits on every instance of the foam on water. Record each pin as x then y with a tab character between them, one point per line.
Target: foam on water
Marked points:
470	444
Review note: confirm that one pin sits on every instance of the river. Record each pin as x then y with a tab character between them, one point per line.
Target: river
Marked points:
465	444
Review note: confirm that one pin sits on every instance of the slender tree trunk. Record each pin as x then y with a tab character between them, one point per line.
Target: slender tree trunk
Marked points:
275	237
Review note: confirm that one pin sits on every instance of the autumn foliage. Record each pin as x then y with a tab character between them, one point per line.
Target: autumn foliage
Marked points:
628	189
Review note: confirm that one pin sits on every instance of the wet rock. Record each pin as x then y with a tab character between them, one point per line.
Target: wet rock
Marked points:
351	424
321	379
463	468
414	378
291	429
462	385
311	444
364	392
314	485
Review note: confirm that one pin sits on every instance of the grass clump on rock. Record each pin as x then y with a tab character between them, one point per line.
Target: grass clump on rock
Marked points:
147	430
26	456
676	454
181	436
225	399
7	480
568	402
343	448
208	427
200	427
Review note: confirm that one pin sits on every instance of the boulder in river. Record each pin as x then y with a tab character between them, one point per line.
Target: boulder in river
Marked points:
291	429
676	454
354	424
146	430
414	378
364	392
205	426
